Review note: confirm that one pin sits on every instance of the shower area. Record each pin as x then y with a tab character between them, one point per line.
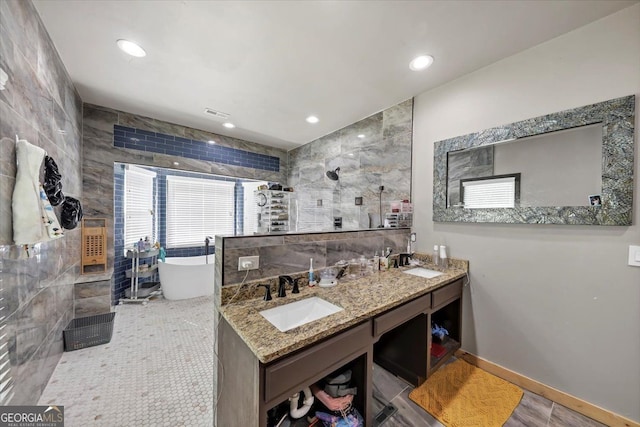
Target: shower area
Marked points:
337	179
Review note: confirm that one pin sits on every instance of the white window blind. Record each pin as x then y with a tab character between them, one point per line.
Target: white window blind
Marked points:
250	207
490	193
139	218
197	208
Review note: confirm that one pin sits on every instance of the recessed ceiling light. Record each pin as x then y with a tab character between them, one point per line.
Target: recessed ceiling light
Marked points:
421	62
176	164
361	136
312	119
228	125
131	48
211	141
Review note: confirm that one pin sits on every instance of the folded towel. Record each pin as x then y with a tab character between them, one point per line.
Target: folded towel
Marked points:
332	403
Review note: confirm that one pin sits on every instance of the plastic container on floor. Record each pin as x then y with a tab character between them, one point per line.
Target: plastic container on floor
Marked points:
88	331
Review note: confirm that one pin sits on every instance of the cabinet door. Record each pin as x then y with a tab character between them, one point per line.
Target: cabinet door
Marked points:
287	376
397	316
446	294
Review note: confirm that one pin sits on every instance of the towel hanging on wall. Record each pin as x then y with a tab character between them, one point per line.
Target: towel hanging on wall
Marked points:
34	220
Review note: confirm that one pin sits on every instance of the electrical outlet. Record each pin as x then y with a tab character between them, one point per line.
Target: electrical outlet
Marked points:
248	263
413	237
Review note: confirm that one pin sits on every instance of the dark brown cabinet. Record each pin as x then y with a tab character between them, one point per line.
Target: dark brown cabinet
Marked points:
404	350
284	378
399	340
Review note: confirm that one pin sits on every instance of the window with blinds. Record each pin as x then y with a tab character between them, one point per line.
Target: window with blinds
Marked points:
250	206
498	191
139	205
197	208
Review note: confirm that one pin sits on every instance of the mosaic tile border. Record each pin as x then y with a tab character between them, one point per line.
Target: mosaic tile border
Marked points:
155	142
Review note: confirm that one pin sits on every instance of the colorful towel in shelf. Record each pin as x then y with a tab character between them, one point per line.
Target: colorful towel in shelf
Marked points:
437	350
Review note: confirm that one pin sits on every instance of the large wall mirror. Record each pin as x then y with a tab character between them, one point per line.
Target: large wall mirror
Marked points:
570	167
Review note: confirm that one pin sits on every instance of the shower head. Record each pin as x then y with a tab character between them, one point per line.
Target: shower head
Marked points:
333	175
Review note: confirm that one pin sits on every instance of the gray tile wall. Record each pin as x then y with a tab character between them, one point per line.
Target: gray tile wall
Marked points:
381	157
38	102
91	298
99	155
290	253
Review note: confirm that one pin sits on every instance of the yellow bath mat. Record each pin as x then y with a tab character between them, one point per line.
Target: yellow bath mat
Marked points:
461	395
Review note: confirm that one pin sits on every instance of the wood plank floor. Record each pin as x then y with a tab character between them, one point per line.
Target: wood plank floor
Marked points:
533	410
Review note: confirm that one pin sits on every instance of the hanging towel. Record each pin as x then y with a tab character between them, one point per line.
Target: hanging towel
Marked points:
34	220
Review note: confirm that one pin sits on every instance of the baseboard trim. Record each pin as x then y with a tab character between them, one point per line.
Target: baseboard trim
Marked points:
585	408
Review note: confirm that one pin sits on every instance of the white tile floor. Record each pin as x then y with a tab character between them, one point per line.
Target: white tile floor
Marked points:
158	367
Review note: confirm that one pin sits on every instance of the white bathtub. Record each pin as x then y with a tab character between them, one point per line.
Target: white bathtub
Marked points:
186	277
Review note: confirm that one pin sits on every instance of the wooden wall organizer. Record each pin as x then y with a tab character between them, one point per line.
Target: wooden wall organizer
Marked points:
94	245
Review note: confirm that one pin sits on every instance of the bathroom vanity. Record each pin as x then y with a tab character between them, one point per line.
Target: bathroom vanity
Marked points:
386	317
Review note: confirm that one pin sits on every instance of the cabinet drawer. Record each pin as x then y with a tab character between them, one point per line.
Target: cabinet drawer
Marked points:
446	294
401	314
298	369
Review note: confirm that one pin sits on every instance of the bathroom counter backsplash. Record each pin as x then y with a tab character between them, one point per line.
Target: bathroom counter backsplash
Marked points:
250	290
360	298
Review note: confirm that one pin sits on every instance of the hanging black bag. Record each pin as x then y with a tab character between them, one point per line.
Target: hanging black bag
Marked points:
71	213
52	182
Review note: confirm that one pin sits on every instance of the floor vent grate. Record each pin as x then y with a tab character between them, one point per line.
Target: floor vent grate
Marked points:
386	413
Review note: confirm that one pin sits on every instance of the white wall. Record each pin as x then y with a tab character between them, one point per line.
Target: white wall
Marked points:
555	303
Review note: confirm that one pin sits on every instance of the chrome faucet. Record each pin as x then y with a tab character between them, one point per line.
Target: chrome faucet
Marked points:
207	240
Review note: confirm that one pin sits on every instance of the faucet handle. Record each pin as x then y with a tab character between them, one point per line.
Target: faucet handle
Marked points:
296	289
267	294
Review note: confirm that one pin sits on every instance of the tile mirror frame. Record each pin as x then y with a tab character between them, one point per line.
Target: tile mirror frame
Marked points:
617	117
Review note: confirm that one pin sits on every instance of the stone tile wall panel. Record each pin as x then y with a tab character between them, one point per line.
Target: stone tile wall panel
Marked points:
381	157
38	102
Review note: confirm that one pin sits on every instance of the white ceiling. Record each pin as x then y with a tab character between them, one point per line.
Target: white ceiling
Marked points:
270	64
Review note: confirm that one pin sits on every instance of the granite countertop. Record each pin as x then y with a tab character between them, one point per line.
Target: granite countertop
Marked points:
360	298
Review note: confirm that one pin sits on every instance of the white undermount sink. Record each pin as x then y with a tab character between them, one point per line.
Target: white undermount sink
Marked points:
298	313
424	272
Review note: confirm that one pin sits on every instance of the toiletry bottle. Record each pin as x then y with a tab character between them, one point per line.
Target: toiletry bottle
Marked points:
147	244
310	270
363	265
436	255
444	261
376	261
384	261
140	245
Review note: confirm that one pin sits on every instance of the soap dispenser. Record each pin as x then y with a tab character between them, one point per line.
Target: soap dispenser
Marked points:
444	261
